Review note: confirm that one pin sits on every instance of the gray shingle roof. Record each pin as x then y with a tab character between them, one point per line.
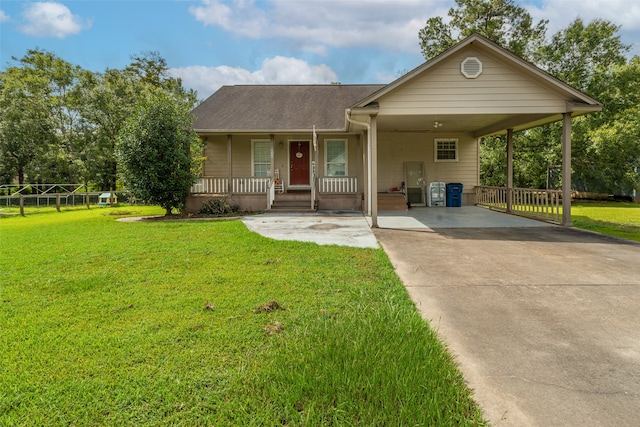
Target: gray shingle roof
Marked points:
279	107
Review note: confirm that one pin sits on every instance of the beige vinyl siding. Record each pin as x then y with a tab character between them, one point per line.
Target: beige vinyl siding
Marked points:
215	163
216	154
498	90
394	149
241	152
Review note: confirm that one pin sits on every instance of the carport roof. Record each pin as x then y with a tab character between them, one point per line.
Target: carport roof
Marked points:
483	124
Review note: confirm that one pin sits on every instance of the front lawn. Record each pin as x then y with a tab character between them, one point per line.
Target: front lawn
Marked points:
612	218
205	323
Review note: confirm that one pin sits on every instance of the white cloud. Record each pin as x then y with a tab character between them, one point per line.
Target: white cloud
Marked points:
313	25
4	17
277	70
49	19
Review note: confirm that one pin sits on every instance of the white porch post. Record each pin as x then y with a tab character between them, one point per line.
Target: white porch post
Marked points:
367	161
509	168
270	188
373	166
229	165
272	147
566	170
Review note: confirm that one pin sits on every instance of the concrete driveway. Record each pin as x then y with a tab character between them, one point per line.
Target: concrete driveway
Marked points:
544	321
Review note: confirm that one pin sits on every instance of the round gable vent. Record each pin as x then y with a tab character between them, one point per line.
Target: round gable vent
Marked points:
471	67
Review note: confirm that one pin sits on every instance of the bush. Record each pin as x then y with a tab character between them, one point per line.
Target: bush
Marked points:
218	206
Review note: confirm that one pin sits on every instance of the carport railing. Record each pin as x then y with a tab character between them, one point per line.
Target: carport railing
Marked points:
540	204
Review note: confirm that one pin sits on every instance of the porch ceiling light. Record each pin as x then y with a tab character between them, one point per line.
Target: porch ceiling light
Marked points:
437	124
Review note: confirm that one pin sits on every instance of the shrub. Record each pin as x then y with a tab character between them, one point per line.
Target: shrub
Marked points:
218	206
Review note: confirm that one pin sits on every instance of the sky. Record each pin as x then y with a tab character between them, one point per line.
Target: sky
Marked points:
210	43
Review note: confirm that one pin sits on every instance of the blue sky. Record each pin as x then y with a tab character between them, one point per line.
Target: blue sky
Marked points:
209	43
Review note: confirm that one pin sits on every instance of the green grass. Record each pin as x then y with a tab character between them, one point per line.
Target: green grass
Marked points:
616	219
106	323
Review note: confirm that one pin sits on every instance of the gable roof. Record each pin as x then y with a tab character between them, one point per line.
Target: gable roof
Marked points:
484	43
270	108
296	108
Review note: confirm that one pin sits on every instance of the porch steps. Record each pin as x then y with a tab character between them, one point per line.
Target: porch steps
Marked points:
391	202
293	201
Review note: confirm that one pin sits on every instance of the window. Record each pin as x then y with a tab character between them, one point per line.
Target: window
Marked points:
336	157
446	150
261	158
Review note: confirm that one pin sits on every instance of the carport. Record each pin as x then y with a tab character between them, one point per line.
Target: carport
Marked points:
472	90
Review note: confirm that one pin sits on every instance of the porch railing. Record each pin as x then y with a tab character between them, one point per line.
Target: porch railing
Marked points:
338	184
253	185
542	204
239	185
210	185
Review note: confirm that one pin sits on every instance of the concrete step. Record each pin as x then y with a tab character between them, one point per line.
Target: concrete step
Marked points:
293	201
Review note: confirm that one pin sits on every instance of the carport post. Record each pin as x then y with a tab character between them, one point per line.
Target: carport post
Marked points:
373	185
566	170
509	168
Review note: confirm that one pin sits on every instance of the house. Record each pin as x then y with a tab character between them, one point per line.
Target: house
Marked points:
377	147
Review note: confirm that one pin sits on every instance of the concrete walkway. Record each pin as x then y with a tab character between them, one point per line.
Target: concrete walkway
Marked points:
543	320
324	228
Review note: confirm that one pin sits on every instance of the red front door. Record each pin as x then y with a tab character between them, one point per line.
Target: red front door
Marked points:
299	163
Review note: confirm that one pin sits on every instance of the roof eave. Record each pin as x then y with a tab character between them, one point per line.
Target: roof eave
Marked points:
265	131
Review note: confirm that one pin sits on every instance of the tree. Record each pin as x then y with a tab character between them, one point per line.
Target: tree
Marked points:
25	127
608	145
501	21
112	97
155	149
576	54
41	125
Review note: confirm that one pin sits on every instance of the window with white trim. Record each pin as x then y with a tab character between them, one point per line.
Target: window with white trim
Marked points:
445	150
260	158
335	154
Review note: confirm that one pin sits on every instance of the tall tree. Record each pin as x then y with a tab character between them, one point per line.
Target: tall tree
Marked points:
577	53
608	143
26	128
111	98
155	149
41	123
501	21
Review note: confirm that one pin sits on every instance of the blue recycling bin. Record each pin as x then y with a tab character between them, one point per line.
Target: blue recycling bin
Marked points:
454	195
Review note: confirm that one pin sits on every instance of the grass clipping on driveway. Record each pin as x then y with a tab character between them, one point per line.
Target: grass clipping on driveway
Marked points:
205	323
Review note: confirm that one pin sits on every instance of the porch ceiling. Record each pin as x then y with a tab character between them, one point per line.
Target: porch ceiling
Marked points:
475	124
